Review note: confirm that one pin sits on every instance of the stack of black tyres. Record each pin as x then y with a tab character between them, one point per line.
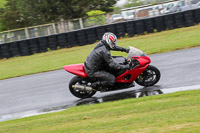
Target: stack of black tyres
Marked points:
110	28
62	40
130	28
5	50
34	45
100	30
197	15
120	29
0	52
43	44
189	18
52	42
179	19
139	27
81	37
71	39
14	49
91	35
149	25
159	23
169	21
24	48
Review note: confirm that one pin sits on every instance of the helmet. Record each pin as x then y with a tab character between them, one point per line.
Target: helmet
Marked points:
110	39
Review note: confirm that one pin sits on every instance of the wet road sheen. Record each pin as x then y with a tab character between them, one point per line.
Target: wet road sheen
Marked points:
49	90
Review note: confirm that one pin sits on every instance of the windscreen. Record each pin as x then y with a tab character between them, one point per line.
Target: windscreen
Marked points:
134	52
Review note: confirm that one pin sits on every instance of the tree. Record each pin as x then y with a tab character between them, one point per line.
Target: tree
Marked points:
21	13
10	17
97	17
132	3
116	10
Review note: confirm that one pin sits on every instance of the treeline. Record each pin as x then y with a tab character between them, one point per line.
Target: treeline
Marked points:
132	3
24	13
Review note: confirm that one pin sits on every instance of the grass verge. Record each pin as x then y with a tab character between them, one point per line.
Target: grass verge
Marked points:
52	60
177	112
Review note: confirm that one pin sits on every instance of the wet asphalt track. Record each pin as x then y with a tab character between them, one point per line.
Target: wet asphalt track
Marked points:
50	89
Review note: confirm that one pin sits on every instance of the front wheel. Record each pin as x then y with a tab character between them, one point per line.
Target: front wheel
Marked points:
79	93
149	77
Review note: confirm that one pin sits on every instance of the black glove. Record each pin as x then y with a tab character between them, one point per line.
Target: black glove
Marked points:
127	67
126	50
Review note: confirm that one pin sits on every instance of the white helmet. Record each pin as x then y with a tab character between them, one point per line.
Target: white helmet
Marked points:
110	39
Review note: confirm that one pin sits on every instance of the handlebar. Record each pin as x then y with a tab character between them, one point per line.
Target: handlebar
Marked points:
133	63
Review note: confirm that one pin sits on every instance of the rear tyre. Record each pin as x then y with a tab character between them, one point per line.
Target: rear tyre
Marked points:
149	77
79	93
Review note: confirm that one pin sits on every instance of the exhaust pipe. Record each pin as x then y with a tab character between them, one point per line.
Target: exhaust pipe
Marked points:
82	87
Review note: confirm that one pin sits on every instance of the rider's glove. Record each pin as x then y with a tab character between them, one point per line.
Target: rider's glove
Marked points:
126	50
127	67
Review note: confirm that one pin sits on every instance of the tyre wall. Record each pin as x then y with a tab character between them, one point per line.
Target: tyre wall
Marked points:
93	34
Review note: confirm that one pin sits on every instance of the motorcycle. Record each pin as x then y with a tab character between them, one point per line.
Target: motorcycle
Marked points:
140	72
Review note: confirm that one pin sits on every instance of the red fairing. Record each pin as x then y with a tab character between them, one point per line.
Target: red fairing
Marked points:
134	73
77	69
143	60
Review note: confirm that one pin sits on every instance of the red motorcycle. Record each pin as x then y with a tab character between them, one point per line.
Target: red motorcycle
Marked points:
141	72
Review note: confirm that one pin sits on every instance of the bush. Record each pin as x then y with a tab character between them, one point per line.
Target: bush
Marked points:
96	17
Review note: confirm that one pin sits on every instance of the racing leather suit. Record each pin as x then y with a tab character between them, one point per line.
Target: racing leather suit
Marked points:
99	59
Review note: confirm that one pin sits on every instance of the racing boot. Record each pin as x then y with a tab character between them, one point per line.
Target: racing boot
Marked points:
101	85
96	84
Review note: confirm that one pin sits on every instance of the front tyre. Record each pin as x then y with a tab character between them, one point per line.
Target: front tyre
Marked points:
149	77
80	93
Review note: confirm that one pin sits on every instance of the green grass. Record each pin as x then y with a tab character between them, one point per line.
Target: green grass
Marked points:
52	60
177	112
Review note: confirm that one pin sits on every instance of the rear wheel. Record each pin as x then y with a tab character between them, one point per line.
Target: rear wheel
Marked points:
80	93
149	77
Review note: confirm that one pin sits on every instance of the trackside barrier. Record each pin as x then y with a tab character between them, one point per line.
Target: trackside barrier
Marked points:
93	34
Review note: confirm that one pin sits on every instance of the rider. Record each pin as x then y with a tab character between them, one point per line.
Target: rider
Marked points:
100	58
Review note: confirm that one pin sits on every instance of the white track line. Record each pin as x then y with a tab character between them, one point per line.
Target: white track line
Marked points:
184	88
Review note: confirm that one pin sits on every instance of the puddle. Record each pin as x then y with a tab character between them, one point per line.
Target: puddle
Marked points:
137	93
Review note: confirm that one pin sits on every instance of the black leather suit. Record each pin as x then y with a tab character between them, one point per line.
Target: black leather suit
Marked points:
99	59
